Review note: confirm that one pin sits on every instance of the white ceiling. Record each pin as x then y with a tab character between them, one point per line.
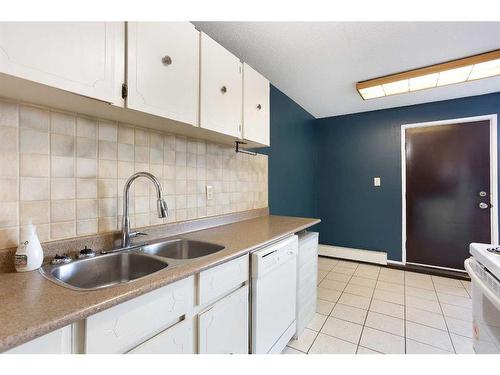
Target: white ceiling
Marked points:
317	64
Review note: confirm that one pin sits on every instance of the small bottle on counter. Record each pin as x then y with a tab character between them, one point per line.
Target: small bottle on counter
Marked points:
29	254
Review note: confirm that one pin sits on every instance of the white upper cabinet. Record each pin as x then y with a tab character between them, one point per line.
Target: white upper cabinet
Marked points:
256	106
74	56
163	69
220	89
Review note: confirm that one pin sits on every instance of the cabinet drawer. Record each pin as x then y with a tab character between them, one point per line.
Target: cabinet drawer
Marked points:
56	342
128	324
217	281
177	339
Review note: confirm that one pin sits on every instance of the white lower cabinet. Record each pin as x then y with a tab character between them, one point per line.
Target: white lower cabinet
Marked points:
55	342
178	339
223	327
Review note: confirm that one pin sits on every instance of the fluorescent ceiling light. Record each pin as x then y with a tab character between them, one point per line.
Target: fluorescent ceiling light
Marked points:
457	71
397	87
451	76
372	92
424	82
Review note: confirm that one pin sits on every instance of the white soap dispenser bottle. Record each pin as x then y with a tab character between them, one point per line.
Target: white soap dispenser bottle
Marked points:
29	254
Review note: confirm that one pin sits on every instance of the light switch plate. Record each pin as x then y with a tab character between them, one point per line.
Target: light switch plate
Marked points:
210	192
376	181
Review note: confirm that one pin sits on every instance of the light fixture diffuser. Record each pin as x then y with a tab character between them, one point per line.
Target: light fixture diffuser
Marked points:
457	71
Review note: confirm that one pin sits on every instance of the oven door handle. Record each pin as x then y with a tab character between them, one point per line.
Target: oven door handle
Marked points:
479	282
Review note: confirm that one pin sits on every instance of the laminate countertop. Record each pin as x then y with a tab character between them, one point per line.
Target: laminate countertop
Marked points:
31	305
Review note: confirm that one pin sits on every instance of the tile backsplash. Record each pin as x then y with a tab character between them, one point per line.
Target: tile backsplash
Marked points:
66	172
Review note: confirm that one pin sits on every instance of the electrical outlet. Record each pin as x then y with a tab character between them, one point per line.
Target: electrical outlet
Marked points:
210	192
376	181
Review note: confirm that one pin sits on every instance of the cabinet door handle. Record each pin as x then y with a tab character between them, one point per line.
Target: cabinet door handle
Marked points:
166	60
259	107
223	89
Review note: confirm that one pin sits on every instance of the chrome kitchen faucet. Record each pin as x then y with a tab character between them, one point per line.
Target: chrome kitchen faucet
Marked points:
161	206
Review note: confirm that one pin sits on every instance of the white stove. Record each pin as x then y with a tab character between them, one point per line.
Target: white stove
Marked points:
484	269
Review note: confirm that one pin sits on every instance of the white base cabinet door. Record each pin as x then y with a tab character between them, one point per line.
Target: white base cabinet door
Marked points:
163	69
177	339
220	89
74	56
256	106
223	327
56	342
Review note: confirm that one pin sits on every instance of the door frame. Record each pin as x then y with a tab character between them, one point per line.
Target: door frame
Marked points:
493	175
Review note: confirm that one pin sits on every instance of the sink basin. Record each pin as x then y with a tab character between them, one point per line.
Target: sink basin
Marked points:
104	270
182	249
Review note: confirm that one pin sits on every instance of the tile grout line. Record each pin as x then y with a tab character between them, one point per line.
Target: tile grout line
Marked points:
442	312
367	312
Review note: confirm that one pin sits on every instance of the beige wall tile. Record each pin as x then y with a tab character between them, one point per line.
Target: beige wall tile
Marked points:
34	188
107	224
62	210
86	227
108	150
9	237
107	207
126	135
107	188
125	152
86	128
86	209
107	169
8	214
8	164
141	154
33	118
9	114
125	169
156	140
108	132
34	142
62	166
36	212
62	188
141	137
62	123
86	148
9	139
34	165
42	231
62	145
62	230
86	168
86	188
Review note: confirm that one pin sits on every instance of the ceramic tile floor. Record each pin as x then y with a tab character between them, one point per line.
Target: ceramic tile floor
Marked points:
367	309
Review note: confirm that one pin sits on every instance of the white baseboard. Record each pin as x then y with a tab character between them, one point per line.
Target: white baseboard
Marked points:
396	262
378	257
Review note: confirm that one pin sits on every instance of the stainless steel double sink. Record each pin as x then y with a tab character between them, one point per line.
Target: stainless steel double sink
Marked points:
123	266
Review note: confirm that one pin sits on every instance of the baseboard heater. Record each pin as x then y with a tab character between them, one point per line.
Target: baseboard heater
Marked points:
368	256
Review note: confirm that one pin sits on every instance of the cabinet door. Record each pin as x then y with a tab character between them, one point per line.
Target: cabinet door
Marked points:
220	89
73	56
163	69
255	106
55	342
177	339
223	328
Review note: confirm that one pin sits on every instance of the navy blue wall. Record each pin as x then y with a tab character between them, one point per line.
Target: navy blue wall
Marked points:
352	149
292	158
